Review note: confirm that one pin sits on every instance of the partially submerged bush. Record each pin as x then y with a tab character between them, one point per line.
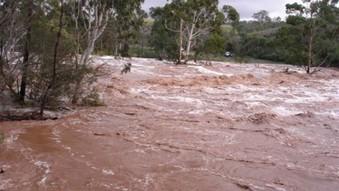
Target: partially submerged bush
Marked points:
2	137
93	99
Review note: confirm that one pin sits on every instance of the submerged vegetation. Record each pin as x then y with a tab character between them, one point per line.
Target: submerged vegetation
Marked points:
2	137
46	47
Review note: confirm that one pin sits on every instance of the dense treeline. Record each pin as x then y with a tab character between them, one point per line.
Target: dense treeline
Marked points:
309	37
183	30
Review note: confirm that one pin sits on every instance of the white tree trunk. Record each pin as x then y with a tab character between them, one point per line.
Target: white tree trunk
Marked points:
96	17
189	42
181	40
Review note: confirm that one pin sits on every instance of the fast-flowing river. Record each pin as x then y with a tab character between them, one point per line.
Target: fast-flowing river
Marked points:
164	127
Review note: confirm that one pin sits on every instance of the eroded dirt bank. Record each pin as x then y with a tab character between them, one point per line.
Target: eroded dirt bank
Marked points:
220	127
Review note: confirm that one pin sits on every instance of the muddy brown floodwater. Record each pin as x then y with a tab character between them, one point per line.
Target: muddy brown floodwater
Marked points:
164	127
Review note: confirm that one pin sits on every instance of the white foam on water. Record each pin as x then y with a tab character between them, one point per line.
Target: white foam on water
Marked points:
210	90
107	57
148	180
277	188
183	99
143	65
11	139
5	184
46	168
308	96
108	172
283	111
331	113
56	135
204	70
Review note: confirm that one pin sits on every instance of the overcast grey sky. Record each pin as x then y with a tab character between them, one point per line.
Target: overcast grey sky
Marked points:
246	8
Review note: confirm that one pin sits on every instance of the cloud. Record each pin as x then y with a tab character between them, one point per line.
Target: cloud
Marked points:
246	8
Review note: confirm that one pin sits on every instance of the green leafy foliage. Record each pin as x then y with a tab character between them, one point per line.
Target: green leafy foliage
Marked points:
42	41
308	38
180	26
163	41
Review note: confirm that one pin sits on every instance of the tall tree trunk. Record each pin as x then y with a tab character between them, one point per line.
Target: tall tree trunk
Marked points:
23	85
310	47
97	22
310	54
83	61
189	42
55	61
142	47
181	40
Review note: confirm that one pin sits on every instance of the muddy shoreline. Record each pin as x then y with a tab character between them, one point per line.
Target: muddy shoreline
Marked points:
24	116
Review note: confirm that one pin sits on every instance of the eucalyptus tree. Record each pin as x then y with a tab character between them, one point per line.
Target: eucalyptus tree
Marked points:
127	21
201	16
231	15
164	41
11	33
55	59
318	26
262	16
28	7
91	18
190	19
